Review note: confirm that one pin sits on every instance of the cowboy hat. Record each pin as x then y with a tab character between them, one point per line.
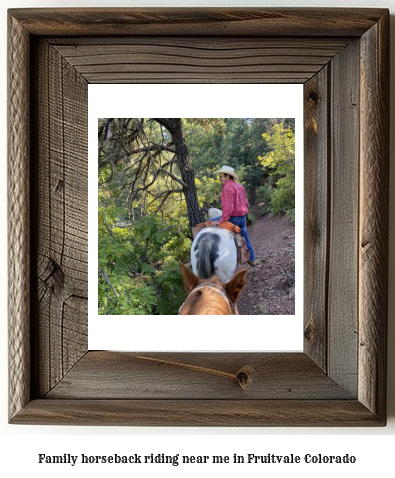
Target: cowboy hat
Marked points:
227	170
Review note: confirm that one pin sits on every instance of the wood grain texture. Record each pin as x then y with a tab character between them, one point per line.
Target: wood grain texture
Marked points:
202	413
61	206
48	212
224	60
196	376
316	214
343	224
18	214
259	22
373	234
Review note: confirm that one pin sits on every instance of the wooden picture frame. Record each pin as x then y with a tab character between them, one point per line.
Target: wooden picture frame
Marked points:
342	58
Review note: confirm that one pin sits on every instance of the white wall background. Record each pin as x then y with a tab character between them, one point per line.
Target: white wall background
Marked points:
21	444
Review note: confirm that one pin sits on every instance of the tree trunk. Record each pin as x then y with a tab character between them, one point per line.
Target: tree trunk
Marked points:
174	126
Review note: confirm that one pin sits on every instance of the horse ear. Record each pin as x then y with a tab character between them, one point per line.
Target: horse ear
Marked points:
189	278
236	284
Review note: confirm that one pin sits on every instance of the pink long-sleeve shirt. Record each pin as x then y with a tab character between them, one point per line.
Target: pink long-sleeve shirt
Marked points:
234	200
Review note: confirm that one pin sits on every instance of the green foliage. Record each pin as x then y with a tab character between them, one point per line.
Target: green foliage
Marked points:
263	196
209	192
204	137
241	146
283	197
138	265
169	285
236	142
142	212
279	191
250	219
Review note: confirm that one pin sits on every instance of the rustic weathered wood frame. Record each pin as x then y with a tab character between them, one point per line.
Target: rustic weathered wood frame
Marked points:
342	57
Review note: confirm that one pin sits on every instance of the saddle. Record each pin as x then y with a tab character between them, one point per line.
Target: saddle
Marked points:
243	254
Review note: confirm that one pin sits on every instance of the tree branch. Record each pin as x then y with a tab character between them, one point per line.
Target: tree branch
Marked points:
178	180
103	273
166	195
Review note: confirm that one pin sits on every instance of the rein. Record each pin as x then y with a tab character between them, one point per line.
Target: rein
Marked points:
220	290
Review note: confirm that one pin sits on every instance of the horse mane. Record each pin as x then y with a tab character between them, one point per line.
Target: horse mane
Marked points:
207	247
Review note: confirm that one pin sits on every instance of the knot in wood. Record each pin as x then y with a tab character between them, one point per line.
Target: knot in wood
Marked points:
313	96
309	332
244	376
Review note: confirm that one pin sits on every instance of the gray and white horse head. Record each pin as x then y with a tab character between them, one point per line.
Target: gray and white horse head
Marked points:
214	252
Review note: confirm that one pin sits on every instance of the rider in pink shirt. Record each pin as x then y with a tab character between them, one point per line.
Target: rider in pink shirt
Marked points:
234	205
233	199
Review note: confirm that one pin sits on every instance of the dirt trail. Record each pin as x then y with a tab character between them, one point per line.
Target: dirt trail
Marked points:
268	290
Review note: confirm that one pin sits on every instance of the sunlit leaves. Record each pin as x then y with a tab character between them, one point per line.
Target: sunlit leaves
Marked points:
279	191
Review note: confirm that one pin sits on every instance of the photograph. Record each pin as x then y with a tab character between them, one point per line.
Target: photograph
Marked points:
196	216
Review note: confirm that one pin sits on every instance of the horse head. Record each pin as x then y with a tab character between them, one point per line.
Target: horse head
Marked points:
211	296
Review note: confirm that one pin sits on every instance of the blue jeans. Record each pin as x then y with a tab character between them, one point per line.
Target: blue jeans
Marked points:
241	221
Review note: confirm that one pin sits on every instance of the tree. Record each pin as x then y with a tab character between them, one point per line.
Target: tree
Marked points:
147	160
174	126
144	177
241	146
204	137
280	162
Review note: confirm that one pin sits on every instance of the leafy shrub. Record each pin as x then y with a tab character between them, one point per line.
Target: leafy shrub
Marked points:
138	265
250	219
279	192
171	294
